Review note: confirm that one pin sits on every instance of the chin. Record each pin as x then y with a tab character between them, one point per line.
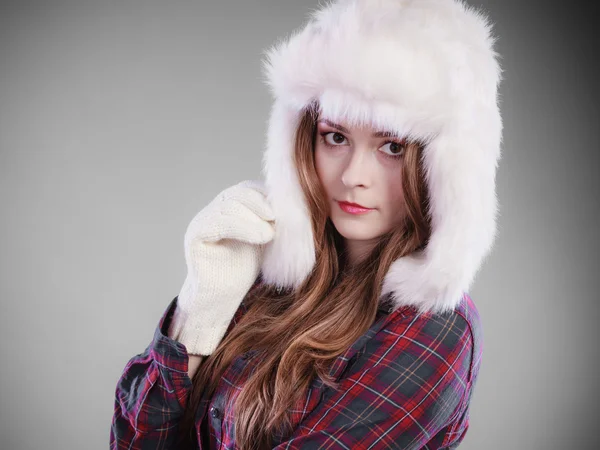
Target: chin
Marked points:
353	229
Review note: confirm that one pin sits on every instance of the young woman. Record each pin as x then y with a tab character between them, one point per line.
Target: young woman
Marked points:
328	308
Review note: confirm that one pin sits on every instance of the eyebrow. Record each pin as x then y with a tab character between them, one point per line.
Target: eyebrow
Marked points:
345	130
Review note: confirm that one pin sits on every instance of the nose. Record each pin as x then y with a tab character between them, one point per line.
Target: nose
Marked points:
357	171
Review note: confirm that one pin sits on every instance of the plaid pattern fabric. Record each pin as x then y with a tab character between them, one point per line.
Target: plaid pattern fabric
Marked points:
405	384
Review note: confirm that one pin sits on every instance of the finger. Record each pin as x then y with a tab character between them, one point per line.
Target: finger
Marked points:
253	199
243	225
257	185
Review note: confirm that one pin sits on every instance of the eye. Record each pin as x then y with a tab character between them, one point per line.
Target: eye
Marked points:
396	149
336	138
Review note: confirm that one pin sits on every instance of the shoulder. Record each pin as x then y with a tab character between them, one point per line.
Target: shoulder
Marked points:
467	309
446	334
419	359
454	337
449	341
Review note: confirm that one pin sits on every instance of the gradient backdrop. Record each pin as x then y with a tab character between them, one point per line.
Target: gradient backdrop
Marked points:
120	120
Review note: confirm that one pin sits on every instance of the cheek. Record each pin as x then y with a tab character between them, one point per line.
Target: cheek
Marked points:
323	167
318	162
394	194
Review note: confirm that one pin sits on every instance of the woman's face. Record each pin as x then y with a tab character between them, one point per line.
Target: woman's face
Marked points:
360	165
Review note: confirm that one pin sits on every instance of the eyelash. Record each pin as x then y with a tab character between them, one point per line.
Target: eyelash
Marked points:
387	155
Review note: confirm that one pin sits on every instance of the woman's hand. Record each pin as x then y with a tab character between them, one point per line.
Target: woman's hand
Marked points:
224	246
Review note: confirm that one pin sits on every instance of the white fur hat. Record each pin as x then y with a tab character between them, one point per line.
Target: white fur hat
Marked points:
425	69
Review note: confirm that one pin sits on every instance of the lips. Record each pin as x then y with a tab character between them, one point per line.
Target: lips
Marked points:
352	208
356	205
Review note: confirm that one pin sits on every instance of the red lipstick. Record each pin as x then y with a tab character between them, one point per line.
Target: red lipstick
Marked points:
353	208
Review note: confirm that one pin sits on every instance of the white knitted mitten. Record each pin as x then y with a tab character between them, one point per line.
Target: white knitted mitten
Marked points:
223	244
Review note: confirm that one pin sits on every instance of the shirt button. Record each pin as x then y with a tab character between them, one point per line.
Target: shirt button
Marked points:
214	412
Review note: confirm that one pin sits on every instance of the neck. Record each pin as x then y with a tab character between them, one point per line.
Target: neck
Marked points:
357	250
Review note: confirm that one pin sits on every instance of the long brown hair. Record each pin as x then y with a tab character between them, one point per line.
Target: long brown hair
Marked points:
300	333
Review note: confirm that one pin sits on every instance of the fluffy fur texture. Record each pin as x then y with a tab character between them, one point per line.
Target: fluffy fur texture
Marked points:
424	68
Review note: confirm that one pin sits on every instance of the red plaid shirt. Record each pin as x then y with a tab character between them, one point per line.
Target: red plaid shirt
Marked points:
405	384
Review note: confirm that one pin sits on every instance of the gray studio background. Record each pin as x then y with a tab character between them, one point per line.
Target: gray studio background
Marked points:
120	120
